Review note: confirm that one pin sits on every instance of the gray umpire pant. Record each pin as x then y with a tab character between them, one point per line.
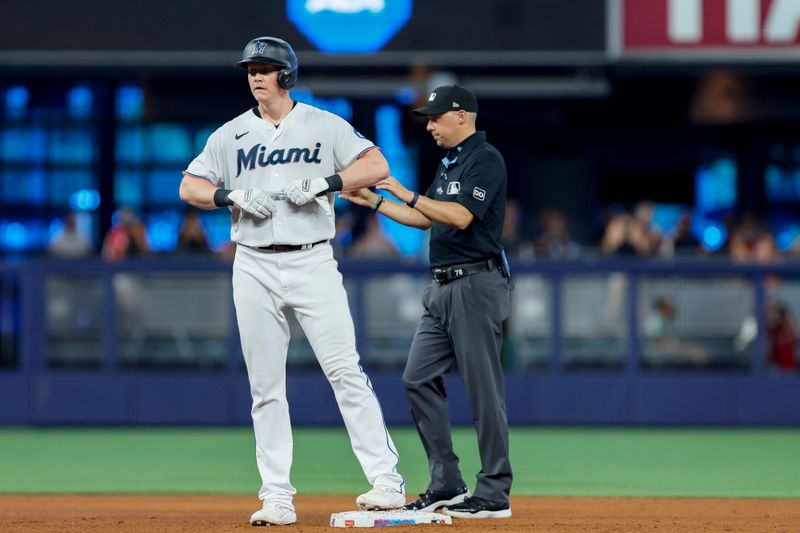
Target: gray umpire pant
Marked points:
461	328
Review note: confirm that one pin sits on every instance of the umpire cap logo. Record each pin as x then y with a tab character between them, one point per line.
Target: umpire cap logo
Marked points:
432	97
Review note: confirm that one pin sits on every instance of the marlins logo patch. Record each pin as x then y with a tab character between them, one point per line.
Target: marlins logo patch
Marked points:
478	194
453	187
258	48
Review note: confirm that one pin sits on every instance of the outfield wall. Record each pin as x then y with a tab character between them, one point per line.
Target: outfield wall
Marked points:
155	342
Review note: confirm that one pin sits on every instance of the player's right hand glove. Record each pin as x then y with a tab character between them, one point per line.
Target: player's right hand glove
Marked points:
254	202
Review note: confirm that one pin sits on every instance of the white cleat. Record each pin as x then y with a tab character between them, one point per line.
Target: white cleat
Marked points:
274	514
381	498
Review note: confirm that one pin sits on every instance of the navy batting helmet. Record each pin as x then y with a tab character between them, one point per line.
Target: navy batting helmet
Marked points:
272	51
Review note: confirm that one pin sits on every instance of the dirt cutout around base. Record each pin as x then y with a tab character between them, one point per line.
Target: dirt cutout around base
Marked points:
174	513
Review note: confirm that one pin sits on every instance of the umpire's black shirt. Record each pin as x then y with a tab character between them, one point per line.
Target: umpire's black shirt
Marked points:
474	175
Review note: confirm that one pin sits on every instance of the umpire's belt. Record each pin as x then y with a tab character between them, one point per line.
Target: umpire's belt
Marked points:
449	273
289	247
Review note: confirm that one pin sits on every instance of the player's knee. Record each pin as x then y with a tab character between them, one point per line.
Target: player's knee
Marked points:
339	371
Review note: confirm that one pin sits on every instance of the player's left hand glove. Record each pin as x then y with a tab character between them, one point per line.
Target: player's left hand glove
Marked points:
301	192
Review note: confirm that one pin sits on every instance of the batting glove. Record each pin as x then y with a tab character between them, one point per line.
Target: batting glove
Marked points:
301	192
254	202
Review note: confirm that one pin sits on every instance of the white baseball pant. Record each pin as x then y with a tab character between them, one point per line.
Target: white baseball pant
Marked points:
265	286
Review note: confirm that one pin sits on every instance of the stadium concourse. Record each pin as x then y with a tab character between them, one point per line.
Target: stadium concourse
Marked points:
168	513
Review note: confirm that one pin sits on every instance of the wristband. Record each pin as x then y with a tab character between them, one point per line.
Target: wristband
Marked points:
378	203
334	184
413	201
221	197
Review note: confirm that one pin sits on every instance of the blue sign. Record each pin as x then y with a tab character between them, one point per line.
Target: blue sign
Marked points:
349	26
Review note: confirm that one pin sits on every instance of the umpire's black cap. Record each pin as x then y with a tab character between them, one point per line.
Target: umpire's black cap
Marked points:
449	98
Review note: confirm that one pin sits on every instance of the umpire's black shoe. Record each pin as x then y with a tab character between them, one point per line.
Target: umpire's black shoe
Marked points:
478	508
433	499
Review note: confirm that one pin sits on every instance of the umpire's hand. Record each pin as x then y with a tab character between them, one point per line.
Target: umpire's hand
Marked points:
393	186
363	197
255	202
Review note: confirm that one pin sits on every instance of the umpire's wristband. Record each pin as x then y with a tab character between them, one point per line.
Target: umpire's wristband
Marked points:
413	201
221	197
378	203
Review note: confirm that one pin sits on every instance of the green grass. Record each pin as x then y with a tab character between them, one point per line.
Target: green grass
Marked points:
546	461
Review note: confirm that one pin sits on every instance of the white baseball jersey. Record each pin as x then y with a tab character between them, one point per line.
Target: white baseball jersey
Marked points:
249	152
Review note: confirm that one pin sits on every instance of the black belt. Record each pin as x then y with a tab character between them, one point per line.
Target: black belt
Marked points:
449	273
289	247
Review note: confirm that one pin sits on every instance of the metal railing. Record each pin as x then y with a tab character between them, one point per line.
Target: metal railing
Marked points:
565	315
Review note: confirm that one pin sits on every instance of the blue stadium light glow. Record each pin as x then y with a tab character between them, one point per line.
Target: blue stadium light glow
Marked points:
401	160
80	101
337	106
218	228
16	101
162	230
14	236
714	236
55	229
787	236
715	185
171	143
406	95
85	200
162	236
349	26
130	102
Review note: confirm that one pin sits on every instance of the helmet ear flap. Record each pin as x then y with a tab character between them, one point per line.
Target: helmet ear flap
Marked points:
285	79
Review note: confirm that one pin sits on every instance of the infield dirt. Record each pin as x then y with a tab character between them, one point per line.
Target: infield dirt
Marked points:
70	513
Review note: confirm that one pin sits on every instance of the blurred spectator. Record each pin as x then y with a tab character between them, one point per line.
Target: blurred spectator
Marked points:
616	239
660	322
70	243
781	336
664	345
553	239
632	235
126	238
644	232
745	237
794	248
765	250
192	237
372	243
514	242
625	236
682	242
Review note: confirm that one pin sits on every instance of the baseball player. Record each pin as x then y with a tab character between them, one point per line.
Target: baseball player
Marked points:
275	167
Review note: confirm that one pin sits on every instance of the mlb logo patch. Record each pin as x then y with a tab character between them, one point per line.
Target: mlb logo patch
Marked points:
478	194
432	97
453	187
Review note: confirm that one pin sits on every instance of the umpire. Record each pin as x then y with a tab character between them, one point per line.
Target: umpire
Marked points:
464	306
